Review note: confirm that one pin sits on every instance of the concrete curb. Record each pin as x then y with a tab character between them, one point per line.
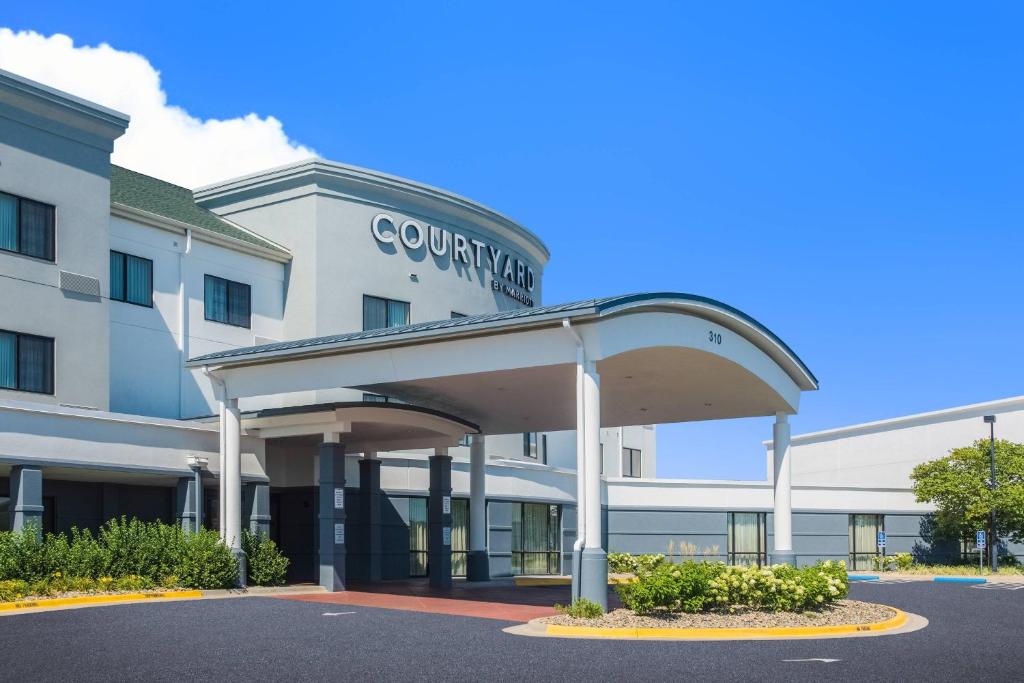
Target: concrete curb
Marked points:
55	604
85	600
902	622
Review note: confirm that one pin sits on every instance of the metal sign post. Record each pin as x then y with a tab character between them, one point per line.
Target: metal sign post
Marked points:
880	542
980	541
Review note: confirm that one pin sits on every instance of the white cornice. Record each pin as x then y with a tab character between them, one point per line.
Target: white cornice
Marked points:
359	179
179	227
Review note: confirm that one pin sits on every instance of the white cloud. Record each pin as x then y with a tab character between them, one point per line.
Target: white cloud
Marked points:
163	140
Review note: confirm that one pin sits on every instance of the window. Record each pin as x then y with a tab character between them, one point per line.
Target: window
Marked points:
536	536
26	227
26	362
379	313
460	535
374	398
631	462
417	537
748	538
456	315
864	539
535	446
131	279
227	302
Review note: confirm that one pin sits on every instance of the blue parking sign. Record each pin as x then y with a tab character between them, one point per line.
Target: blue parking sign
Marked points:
979	540
881	539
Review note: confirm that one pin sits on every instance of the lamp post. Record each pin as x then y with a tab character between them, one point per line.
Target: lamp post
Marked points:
990	420
196	464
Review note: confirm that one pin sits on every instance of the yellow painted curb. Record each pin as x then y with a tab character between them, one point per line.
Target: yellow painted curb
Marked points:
96	600
709	633
526	581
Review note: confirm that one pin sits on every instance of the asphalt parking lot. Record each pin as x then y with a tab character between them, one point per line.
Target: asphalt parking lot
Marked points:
973	634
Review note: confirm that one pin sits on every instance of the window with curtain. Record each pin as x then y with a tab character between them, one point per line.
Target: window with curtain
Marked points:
864	539
228	302
26	362
417	537
748	538
460	535
379	313
536	538
27	226
631	462
131	279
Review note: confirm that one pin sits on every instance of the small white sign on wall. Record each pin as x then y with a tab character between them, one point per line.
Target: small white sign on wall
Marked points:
446	505
446	536
339	534
339	499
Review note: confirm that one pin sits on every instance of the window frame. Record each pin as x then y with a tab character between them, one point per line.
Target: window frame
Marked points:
386	301
553	557
762	538
52	388
854	553
540	447
227	301
633	452
51	257
124	283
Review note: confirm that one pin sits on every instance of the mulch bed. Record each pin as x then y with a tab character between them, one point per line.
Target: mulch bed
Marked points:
843	612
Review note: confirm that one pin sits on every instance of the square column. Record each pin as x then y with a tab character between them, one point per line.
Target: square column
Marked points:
231	505
439	520
594	561
26	507
369	489
783	513
332	515
477	563
187	503
256	504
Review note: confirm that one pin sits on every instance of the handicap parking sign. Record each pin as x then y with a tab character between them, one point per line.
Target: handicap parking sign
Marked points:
979	540
881	539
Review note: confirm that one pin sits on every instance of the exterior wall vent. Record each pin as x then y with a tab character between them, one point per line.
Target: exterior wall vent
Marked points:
80	284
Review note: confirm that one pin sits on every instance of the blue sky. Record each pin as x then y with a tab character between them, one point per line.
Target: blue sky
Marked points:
852	177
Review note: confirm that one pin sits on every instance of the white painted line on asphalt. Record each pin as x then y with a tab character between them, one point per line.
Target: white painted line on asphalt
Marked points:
814	659
336	614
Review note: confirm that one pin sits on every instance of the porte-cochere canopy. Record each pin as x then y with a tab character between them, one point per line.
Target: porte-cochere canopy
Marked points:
661	357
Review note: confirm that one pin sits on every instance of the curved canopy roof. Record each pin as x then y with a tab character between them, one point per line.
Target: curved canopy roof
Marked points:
662	357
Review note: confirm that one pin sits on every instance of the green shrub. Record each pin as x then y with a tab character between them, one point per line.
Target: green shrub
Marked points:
581	608
205	562
149	549
13	589
696	586
265	564
624	563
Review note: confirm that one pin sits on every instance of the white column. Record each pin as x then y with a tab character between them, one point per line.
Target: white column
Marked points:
783	517
592	448
232	506
477	494
220	473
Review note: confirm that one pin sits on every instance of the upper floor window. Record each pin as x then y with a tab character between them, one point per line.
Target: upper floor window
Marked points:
131	279
227	302
26	227
631	462
535	446
379	313
26	362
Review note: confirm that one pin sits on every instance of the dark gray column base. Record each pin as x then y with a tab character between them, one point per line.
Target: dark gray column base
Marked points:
594	576
784	557
478	566
577	562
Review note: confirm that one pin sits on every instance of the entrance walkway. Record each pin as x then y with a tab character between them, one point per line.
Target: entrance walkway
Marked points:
498	599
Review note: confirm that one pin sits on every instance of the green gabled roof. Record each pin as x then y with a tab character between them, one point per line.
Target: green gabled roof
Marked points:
177	203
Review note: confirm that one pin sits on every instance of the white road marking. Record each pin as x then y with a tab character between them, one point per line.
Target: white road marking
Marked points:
815	659
336	614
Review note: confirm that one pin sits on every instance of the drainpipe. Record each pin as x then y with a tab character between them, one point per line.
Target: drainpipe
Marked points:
183	329
581	489
219	390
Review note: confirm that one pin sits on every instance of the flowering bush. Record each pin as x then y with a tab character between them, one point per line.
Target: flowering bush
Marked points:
899	561
701	586
624	563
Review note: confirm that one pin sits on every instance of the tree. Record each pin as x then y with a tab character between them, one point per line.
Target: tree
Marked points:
958	486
